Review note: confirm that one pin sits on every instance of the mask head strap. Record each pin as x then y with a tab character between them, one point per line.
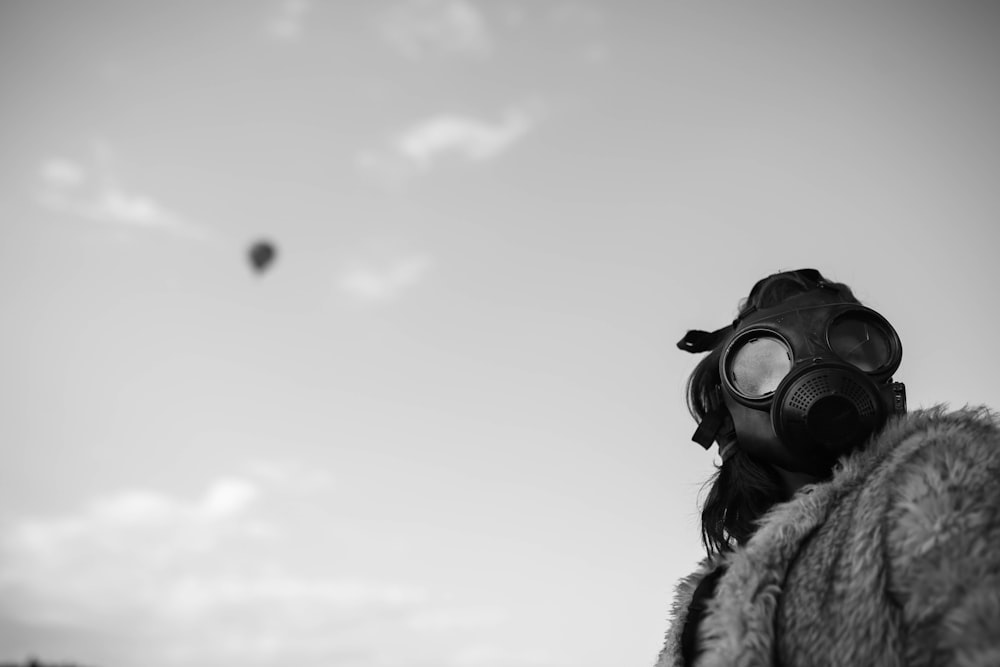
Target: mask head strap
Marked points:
696	340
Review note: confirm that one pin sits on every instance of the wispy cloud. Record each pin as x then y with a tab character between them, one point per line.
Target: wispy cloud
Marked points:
418	147
368	281
420	28
66	186
195	581
288	20
168	581
473	139
111	557
60	173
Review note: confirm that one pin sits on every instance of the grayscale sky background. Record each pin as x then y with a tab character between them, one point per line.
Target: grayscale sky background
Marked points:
447	427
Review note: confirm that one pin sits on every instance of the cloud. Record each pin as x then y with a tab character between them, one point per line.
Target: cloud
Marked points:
62	173
474	139
224	498
193	582
367	282
288	20
200	596
110	557
420	28
228	497
70	188
143	577
418	147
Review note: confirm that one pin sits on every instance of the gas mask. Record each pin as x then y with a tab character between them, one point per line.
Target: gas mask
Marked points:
806	381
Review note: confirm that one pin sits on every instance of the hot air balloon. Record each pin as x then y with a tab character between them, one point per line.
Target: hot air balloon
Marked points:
261	255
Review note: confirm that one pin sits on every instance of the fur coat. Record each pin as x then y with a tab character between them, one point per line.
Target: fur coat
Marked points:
893	561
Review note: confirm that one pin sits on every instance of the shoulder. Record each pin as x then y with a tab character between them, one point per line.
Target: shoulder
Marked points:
943	519
915	517
932	441
933	452
917	462
967	427
940	474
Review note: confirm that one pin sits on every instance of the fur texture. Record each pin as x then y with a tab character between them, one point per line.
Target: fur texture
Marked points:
894	561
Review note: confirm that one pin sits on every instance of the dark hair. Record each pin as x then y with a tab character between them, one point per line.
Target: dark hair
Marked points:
743	488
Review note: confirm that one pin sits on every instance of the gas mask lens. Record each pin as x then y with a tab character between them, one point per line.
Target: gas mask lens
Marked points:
758	365
861	340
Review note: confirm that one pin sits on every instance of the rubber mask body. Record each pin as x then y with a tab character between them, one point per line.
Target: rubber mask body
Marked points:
810	380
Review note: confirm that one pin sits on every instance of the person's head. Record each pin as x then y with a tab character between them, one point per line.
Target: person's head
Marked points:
801	377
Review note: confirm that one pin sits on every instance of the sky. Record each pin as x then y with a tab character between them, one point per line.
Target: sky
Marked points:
446	427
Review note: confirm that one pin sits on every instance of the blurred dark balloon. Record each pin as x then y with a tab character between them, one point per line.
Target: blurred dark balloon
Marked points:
262	254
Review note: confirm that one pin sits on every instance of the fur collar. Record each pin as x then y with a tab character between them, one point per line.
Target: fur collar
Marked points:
739	628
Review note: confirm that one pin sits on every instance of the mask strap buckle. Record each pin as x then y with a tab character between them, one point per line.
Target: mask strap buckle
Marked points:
708	429
898	398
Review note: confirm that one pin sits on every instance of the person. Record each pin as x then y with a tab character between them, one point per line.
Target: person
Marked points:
839	528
